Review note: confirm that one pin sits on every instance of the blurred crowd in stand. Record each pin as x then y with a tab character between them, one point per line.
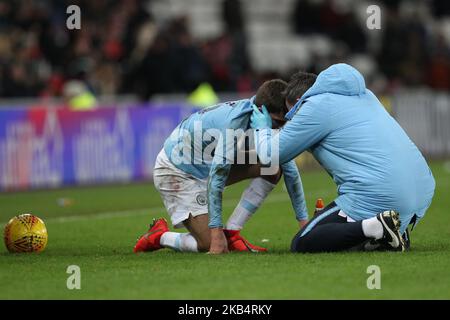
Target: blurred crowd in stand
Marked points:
121	49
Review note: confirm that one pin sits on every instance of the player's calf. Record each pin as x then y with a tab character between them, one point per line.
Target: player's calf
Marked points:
330	231
198	228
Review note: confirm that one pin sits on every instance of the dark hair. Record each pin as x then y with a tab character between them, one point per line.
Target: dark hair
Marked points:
300	82
270	94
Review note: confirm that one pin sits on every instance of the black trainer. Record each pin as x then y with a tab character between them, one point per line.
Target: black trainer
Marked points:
391	231
376	245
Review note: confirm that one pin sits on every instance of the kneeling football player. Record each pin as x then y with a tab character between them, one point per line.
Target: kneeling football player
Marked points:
191	183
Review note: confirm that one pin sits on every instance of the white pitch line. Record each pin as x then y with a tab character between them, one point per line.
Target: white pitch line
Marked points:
141	212
274	198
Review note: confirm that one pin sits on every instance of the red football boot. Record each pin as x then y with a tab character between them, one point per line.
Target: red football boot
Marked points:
236	242
150	240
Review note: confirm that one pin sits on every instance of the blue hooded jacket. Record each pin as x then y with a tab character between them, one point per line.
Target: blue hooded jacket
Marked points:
373	162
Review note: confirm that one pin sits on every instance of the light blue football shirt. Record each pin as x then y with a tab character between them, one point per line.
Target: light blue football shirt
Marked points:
207	158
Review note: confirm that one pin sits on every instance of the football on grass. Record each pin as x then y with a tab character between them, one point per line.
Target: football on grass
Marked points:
25	233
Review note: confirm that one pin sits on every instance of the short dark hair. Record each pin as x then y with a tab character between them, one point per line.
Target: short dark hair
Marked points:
300	82
270	94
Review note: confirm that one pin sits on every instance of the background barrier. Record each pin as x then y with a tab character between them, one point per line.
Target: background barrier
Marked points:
51	147
425	116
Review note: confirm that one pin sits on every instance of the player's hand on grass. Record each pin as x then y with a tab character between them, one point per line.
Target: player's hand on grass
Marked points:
260	120
302	223
219	243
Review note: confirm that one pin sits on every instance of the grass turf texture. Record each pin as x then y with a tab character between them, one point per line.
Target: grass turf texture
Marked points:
99	230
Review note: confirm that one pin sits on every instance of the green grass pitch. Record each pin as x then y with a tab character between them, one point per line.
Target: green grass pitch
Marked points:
98	232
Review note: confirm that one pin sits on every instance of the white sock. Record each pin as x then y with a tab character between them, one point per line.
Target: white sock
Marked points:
184	242
250	201
372	228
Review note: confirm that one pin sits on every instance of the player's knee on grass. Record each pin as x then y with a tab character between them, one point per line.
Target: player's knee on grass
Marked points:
198	227
305	245
329	237
298	244
311	243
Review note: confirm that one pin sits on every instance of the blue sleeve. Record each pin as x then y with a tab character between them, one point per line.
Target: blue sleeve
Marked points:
294	187
308	127
219	172
216	183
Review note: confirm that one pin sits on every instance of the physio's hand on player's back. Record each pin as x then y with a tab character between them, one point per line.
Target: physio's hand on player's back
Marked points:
219	243
260	120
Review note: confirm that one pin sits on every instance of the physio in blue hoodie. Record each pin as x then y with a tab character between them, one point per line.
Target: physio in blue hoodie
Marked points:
383	181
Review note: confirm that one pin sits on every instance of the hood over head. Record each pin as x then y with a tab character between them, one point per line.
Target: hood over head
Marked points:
339	78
